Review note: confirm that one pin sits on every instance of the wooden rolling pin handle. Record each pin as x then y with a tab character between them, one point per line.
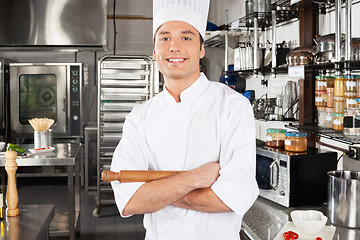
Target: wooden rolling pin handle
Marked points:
126	176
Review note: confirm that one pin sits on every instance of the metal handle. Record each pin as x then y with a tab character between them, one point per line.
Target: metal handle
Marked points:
64	104
272	185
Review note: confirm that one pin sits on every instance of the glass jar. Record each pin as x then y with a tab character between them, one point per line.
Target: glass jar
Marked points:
321	116
339	86
338	121
339	104
320	99
357	78
350	99
350	84
320	83
295	141
329	117
275	137
330	97
329	81
351	124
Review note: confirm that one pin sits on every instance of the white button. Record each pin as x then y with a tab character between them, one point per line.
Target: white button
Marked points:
75	117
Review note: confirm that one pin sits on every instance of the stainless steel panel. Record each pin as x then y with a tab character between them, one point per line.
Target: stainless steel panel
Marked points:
58	23
127	106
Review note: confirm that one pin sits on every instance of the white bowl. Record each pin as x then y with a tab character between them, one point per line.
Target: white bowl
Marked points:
2	145
309	221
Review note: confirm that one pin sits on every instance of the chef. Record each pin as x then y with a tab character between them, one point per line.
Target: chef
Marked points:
202	127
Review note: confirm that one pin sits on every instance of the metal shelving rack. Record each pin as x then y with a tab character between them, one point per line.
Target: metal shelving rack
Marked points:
123	82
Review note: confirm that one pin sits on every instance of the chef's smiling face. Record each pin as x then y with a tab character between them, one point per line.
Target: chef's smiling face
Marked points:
177	50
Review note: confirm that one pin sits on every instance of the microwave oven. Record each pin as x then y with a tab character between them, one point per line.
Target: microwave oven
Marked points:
46	90
293	179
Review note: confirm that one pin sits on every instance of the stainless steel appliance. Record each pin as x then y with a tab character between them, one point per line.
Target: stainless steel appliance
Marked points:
4	99
293	179
51	90
76	24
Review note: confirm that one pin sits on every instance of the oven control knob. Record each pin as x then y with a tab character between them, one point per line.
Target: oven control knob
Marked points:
75	117
282	193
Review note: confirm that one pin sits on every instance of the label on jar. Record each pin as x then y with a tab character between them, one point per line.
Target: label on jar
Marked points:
287	142
350	101
337	122
328	118
269	138
319	99
350	84
321	84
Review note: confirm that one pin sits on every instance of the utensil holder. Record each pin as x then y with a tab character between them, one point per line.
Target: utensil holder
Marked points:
41	139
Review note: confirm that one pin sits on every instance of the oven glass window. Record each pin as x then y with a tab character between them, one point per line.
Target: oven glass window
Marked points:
37	97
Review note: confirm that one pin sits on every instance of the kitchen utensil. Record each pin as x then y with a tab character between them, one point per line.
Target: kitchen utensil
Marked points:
299	57
324	57
249	9
12	197
126	176
41	124
326	42
344	198
308	221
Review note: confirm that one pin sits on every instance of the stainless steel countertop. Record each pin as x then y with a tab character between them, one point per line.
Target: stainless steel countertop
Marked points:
265	219
32	222
63	155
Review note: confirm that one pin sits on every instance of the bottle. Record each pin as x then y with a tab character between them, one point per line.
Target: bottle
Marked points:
1	204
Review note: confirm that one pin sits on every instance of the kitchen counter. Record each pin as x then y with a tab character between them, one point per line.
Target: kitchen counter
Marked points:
32	223
67	155
265	219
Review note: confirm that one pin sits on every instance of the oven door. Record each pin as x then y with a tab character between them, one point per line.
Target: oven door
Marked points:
37	91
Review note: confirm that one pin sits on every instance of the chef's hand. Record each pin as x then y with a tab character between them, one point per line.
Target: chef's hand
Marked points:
206	175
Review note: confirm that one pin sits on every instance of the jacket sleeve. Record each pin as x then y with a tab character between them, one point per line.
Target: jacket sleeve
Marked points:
236	185
130	154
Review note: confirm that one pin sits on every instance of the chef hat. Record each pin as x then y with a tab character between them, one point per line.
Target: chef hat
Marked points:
194	12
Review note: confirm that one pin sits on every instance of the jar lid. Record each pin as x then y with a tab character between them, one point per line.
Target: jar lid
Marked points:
276	130
339	76
358	100
338	115
295	134
329	77
320	92
340	99
349	76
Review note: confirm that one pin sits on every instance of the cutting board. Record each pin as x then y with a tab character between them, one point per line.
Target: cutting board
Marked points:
327	233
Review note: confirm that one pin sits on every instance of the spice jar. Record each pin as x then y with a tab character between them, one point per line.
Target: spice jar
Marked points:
339	104
351	124
275	137
338	121
321	116
330	97
295	141
320	99
350	99
329	81
339	86
350	84
357	78
320	83
358	102
329	117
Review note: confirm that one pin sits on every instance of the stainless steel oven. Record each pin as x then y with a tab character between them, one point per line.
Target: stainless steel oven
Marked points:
4	99
51	90
293	179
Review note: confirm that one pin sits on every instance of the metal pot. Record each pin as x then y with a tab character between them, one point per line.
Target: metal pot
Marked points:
355	49
299	57
344	198
324	57
326	43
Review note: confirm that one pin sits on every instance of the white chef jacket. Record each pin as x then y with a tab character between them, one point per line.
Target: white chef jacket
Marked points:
211	123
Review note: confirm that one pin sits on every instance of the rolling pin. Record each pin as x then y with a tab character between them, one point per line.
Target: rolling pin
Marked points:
127	176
